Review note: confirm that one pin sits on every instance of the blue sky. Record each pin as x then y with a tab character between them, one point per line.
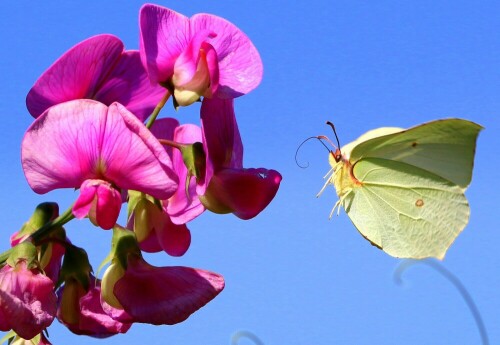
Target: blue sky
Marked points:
292	275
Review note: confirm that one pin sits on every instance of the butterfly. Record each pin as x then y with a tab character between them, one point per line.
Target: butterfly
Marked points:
404	189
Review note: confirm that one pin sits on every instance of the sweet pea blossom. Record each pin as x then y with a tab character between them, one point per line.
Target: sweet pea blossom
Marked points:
228	187
85	144
156	295
204	55
27	300
97	68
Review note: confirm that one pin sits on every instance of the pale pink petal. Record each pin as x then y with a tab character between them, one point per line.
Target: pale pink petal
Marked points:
129	85
186	63
164	34
240	66
174	239
184	205
76	74
244	192
165	295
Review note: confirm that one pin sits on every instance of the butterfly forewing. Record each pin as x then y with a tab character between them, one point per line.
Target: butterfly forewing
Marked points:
443	147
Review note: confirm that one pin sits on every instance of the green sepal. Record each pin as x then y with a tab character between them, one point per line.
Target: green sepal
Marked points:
194	159
75	266
24	251
44	213
123	244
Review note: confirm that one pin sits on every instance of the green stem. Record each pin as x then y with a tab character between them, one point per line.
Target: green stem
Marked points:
45	230
156	111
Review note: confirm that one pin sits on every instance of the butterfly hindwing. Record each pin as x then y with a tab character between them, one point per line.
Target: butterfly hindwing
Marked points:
404	210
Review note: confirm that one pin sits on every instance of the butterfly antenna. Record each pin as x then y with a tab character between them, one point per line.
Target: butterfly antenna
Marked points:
320	138
337	153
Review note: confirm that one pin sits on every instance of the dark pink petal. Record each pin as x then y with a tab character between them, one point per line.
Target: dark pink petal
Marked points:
129	85
221	137
108	205
83	313
244	192
83	139
164	129
84	203
165	295
174	239
240	66
76	74
27	300
164	34
55	252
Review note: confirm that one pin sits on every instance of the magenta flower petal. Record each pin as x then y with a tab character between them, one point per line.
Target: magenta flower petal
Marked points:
244	192
163	36
76	74
83	139
174	239
100	201
96	68
221	136
164	295
27	300
129	85
240	66
171	46
182	207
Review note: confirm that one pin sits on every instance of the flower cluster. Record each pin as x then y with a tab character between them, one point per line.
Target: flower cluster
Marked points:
97	130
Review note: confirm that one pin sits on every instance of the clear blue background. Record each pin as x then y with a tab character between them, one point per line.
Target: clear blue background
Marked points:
292	275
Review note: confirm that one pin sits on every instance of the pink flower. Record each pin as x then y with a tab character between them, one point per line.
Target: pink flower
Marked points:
85	144
81	311
97	68
227	186
204	55
157	295
27	300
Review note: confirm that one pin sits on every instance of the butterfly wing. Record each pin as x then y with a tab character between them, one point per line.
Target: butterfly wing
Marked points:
406	211
443	147
407	195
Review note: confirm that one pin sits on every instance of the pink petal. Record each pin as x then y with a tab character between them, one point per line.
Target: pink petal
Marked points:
76	74
89	316
165	295
221	136
129	85
135	159
184	206
164	129
109	203
83	139
174	239
240	66
27	300
244	192
164	34
83	204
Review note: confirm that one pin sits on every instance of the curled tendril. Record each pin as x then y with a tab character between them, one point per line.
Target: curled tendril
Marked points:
456	282
320	138
245	334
